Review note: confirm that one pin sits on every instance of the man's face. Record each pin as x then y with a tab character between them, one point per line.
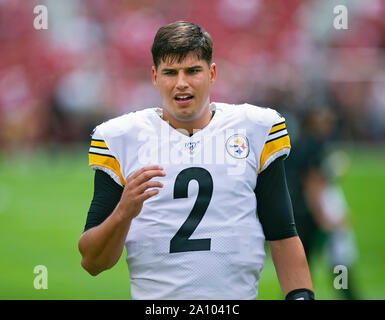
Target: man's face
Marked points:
184	87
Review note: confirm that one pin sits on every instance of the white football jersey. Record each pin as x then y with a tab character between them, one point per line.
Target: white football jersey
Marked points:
199	237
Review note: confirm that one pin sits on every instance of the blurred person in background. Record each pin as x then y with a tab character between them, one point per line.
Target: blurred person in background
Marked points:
339	244
320	208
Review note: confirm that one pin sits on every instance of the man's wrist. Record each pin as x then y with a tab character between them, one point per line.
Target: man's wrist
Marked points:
122	217
300	294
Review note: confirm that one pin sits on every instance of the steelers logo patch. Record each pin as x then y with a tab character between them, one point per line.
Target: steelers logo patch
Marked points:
238	146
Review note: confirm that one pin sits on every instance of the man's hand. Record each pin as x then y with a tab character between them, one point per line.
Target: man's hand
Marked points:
102	246
135	192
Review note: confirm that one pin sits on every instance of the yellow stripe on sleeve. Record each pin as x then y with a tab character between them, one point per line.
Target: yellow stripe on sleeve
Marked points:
97	143
277	128
108	162
272	147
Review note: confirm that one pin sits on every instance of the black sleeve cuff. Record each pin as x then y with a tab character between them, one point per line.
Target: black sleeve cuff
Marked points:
300	294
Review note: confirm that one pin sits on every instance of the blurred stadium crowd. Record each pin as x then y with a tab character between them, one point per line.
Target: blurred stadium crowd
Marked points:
94	62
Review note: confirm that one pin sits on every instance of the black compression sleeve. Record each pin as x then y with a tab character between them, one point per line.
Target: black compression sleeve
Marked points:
274	206
107	194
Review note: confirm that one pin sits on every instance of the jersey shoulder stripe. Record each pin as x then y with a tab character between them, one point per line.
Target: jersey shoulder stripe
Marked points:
277	135
99	147
100	157
111	137
278	127
100	153
98	144
277	144
278	130
98	161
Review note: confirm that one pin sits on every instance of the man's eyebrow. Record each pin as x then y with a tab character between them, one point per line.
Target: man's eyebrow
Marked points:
187	68
194	67
167	69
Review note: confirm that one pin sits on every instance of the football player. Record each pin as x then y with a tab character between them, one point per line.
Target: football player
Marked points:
194	188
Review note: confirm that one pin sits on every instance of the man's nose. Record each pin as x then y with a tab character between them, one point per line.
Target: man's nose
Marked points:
181	81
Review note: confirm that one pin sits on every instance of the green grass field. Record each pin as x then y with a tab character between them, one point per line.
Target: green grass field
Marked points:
44	198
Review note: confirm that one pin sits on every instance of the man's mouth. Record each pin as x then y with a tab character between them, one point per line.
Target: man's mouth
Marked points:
183	99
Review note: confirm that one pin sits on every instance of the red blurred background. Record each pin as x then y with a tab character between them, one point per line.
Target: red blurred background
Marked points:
94	62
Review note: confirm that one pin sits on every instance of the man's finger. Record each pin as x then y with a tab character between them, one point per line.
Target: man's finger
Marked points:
148	184
147	175
146	195
140	171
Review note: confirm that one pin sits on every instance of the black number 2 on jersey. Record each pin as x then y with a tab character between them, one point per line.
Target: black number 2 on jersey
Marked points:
181	242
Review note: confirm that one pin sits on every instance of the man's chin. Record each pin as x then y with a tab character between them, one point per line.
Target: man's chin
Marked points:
185	114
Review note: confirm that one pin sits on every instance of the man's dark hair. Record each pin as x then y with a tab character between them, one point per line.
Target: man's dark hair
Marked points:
175	41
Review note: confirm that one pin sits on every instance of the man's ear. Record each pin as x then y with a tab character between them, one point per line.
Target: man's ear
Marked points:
154	77
213	73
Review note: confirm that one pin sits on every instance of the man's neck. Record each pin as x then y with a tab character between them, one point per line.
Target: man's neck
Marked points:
190	126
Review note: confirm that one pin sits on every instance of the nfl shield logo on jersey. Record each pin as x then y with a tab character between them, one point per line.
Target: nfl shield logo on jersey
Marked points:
238	146
191	146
